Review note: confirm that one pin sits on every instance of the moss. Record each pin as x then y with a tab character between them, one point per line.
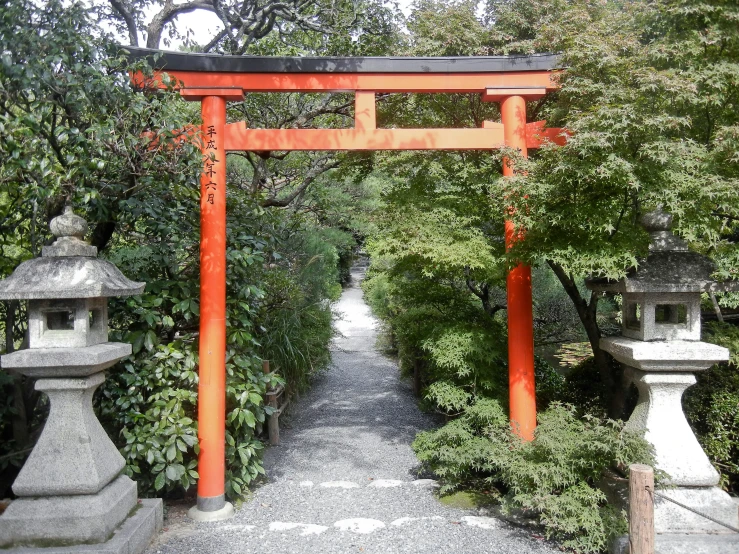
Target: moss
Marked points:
467	500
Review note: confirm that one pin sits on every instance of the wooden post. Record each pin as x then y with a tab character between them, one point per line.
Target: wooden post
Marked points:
641	509
273	423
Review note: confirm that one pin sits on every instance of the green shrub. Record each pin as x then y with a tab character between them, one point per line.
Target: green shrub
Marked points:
584	388
148	403
550	385
553	478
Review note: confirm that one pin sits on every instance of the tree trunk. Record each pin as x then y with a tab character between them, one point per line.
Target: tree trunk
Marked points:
610	373
102	234
417	381
20	417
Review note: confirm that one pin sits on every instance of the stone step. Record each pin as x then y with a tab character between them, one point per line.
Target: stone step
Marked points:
682	543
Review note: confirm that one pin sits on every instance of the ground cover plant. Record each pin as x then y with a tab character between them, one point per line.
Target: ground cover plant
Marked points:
552	479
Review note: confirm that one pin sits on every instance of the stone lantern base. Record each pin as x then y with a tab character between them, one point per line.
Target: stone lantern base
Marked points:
73	519
662	371
72	495
132	536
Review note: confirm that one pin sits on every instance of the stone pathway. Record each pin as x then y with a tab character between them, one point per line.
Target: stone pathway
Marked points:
343	479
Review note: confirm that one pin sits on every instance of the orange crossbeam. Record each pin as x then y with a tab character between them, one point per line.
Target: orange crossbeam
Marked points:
379	82
238	137
498	94
537	135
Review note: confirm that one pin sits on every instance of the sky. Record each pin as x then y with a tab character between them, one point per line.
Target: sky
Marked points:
203	25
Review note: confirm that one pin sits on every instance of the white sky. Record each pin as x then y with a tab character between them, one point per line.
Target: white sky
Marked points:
203	25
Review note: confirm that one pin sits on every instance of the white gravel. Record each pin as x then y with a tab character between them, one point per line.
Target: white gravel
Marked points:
344	478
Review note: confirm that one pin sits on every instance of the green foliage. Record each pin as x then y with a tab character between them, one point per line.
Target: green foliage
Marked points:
646	96
553	478
712	407
153	402
74	130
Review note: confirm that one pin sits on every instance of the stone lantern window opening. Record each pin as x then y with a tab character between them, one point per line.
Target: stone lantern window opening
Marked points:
58	320
661	316
67	323
632	315
671	314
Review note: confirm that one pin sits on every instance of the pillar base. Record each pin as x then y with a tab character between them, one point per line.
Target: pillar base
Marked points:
68	520
196	514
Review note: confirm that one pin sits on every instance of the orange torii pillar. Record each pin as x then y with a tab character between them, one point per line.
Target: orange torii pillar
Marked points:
522	389
211	501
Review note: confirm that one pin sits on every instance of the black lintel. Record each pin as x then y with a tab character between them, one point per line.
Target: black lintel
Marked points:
181	61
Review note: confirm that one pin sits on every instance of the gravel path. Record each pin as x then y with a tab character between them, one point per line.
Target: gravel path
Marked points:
343	479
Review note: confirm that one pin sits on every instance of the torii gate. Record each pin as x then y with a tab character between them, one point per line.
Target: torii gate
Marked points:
213	80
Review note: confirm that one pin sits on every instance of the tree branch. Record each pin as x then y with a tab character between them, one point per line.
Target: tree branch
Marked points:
310	177
169	12
125	13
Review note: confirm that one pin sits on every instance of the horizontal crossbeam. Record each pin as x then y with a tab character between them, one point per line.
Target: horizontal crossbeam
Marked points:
239	137
350	82
537	135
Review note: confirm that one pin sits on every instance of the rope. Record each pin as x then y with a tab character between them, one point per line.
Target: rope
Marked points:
695	511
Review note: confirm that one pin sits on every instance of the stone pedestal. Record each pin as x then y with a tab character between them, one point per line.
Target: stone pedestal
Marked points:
71	489
662	371
712	501
73	455
131	537
69	519
659	417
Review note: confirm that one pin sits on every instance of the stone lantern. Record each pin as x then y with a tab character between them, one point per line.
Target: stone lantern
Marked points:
661	348
71	489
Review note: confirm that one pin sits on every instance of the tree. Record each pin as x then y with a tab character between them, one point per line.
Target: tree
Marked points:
649	94
244	22
74	130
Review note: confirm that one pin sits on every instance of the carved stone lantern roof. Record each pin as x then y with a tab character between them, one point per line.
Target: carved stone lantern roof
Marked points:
669	267
69	268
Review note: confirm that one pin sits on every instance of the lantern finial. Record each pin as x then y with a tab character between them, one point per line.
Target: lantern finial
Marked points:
69	230
69	225
659	224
